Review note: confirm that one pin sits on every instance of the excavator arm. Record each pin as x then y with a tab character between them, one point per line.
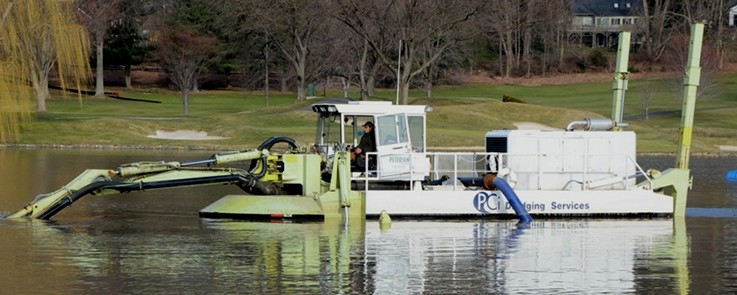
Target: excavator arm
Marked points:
150	175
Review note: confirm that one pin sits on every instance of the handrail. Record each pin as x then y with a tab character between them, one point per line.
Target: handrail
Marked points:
476	164
642	171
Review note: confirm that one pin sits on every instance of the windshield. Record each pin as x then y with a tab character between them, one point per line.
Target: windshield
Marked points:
328	133
392	129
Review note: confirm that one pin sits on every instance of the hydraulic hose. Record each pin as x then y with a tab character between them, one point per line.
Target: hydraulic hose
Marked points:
136	186
65	202
267	145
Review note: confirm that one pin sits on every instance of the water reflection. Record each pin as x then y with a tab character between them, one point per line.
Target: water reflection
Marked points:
130	256
296	257
601	256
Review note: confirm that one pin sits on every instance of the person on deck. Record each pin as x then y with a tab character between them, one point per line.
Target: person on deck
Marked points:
366	145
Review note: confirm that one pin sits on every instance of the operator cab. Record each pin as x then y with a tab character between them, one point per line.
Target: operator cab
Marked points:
399	131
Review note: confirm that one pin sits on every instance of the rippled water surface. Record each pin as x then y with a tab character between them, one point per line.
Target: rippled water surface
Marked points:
154	243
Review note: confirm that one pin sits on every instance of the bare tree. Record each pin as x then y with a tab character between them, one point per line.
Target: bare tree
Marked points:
339	59
657	28
351	58
267	52
183	52
247	44
97	15
272	64
367	67
667	20
415	23
450	58
713	13
675	58
720	21
675	28
501	19
526	31
647	93
291	25
550	29
366	53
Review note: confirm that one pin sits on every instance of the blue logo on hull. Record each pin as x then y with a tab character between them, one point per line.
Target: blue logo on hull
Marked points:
485	202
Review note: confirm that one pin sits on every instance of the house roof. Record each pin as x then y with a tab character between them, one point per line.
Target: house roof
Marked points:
731	3
606	7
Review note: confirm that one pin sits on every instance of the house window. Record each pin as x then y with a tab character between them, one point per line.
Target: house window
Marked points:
628	5
616	21
616	5
627	21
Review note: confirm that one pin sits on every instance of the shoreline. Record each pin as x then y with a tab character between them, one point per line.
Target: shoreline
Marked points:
113	147
103	147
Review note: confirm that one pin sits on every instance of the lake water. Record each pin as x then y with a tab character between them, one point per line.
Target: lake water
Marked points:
154	243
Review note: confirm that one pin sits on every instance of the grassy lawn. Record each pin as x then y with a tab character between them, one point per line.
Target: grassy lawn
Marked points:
462	115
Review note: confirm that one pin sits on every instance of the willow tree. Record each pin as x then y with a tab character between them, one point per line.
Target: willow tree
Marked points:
36	36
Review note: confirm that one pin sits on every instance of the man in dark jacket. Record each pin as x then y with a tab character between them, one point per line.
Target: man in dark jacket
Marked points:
366	145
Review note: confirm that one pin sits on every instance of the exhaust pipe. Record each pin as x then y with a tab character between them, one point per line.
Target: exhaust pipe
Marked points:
595	124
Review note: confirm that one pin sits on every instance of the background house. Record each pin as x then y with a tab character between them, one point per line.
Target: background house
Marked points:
598	22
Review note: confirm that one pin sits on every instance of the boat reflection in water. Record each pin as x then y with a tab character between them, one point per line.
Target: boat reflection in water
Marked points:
586	256
581	256
294	258
119	254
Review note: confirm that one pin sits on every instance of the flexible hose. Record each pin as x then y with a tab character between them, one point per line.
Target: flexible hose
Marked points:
267	145
517	206
136	186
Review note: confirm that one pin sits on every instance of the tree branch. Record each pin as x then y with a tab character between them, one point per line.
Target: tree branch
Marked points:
5	14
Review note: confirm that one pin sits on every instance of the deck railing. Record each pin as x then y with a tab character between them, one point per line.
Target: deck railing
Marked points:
533	171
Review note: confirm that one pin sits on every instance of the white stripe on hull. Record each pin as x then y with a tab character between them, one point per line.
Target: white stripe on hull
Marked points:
535	201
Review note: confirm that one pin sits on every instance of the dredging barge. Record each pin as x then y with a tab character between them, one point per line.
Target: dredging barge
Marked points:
591	171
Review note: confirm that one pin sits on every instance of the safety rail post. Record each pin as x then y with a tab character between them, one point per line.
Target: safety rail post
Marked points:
455	172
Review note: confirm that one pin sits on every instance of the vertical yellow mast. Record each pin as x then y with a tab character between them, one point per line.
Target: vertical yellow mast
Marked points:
690	85
677	181
620	78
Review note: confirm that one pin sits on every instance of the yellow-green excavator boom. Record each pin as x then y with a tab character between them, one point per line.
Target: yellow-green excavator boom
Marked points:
149	175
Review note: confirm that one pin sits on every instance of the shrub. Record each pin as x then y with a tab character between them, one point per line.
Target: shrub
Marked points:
599	59
507	98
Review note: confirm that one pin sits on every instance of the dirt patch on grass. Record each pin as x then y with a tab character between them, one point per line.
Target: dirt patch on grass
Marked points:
183	135
728	148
